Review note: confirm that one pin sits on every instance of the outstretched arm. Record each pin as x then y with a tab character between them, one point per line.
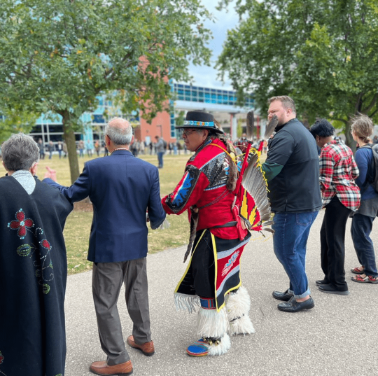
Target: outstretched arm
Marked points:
77	191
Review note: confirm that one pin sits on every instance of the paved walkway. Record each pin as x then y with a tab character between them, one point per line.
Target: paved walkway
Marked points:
337	337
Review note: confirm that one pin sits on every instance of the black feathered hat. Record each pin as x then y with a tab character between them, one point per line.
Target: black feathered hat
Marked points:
200	120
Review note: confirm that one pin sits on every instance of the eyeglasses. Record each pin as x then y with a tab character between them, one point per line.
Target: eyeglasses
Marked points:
186	133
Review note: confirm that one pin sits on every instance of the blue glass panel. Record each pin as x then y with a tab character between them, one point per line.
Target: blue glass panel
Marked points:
98	119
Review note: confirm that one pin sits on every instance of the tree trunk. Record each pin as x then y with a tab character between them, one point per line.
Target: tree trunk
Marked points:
348	137
69	138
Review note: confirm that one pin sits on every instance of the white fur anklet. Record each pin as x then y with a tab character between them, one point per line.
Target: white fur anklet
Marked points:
221	348
237	306
212	323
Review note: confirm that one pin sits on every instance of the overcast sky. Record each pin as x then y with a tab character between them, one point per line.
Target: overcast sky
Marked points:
207	76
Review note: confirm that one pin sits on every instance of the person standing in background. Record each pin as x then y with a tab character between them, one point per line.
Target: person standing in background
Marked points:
65	150
51	148
362	222
81	148
89	147
97	148
41	147
292	172
160	150
341	197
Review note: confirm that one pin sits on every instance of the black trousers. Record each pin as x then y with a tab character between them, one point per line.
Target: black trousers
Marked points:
332	238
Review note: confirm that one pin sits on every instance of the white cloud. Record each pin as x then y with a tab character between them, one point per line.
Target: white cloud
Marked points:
224	20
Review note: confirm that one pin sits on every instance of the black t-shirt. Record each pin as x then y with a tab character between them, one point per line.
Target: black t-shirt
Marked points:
296	188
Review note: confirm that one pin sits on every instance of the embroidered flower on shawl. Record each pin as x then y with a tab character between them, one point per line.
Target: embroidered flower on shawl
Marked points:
21	224
44	243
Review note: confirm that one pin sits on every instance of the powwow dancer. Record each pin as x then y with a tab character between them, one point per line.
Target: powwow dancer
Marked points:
210	192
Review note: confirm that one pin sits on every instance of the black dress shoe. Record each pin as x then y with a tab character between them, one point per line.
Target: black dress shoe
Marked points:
332	290
294	306
322	282
284	296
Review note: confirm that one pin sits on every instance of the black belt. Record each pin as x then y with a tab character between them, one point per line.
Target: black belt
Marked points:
228	224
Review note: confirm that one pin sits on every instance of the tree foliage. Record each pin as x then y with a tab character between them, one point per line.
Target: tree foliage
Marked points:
323	53
56	56
12	120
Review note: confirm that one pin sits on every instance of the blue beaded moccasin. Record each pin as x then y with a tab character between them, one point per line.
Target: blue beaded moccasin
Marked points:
198	348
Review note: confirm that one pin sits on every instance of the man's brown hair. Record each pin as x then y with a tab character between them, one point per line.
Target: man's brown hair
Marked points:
286	101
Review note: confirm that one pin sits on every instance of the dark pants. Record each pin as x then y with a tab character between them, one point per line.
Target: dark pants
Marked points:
361	230
106	285
332	239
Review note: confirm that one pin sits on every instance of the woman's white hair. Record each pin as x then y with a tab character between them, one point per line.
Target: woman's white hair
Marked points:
20	152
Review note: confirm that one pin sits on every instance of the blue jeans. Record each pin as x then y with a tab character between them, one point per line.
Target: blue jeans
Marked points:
361	229
291	232
160	158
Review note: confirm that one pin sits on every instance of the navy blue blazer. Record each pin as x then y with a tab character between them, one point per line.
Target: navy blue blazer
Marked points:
121	188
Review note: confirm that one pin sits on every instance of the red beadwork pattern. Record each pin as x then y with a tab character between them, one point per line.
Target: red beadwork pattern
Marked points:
21	224
45	244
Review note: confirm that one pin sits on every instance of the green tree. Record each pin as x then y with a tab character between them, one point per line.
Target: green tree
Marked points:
12	120
323	53
56	56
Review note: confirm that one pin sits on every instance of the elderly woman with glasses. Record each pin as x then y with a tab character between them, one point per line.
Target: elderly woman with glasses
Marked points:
33	266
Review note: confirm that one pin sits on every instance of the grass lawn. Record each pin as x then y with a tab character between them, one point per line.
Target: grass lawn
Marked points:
78	224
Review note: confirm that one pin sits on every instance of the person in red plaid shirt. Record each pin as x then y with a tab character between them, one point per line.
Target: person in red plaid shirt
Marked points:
340	196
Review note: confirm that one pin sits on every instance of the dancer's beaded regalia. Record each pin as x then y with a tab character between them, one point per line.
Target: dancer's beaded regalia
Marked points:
210	192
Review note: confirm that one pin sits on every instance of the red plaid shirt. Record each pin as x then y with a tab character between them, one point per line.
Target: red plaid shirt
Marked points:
338	170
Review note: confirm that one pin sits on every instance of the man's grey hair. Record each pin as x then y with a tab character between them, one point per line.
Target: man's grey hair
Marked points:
286	101
119	135
20	152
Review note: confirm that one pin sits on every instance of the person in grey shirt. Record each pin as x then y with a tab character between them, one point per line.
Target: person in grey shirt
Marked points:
160	150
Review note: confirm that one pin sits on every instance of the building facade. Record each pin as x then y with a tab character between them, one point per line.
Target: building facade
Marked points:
222	103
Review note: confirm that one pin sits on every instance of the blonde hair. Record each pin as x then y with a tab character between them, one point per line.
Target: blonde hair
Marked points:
286	101
362	126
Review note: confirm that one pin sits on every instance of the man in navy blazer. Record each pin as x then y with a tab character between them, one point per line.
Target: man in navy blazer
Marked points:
121	189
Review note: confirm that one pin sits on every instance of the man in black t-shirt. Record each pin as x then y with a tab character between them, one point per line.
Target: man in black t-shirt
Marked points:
292	171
